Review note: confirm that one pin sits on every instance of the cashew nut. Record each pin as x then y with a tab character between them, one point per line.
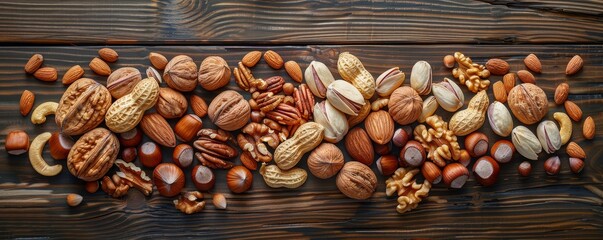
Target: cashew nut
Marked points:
35	156
39	114
565	126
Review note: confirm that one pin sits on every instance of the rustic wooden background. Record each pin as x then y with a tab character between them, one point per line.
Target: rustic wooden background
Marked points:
382	34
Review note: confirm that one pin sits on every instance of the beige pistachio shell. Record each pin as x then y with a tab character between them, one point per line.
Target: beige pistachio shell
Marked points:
345	97
449	95
334	121
526	143
318	77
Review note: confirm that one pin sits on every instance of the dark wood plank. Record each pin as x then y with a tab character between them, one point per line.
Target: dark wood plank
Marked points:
300	22
540	206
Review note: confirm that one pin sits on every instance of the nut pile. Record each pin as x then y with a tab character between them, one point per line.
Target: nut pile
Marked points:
283	120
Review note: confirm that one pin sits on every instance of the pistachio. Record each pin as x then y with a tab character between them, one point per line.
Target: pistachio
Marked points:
334	121
549	136
345	97
388	81
449	95
420	77
430	105
500	119
318	77
526	143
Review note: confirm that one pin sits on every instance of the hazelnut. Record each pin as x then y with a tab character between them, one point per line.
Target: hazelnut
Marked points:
524	169
60	145
170	103
129	154
413	154
130	138
486	170
74	199
383	149
92	186
203	178
17	142
356	180
476	144
214	73
149	154
431	172
449	61
400	137
325	161
502	151
229	110
387	164
183	155
552	165
187	127
405	105
455	175
198	105
181	73
219	201
239	179
576	164
257	116
288	89
169	179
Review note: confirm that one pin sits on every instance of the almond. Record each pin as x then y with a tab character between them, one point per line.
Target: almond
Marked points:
574	150
273	59
34	63
26	102
533	63
561	93
500	93
573	110
108	54
379	126
251	58
158	60
46	74
100	67
74	73
158	129
198	105
359	146
574	65
509	81
588	128
526	76
294	71
497	66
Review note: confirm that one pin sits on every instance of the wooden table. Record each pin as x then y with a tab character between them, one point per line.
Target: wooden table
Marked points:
382	34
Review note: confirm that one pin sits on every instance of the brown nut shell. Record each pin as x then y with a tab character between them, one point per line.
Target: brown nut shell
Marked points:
359	146
405	105
356	180
181	73
229	110
93	154
171	103
325	161
122	81
214	73
528	103
82	107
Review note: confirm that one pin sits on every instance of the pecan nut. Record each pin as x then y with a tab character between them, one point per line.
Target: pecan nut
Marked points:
134	177
214	151
247	81
82	107
304	101
93	154
267	101
274	84
285	114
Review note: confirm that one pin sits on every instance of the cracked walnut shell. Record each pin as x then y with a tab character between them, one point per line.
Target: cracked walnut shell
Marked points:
229	110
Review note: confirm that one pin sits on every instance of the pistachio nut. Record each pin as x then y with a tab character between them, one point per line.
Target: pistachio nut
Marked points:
500	119
345	97
318	77
334	121
449	95
549	136
526	142
420	77
388	81
430	105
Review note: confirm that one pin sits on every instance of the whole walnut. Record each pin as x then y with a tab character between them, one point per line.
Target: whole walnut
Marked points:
91	157
356	180
181	73
229	110
325	161
528	103
214	73
405	105
82	107
171	104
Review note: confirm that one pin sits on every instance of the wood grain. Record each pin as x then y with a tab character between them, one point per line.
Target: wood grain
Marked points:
299	22
540	206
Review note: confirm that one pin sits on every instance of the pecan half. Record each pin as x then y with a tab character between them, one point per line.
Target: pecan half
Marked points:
285	114
247	81
214	149
267	101
304	101
274	84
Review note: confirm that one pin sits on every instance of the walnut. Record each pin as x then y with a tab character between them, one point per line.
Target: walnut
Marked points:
409	192
405	105
114	186
440	142
229	110
473	75
190	202
134	177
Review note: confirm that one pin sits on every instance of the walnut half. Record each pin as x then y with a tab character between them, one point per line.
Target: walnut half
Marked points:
409	192
190	202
